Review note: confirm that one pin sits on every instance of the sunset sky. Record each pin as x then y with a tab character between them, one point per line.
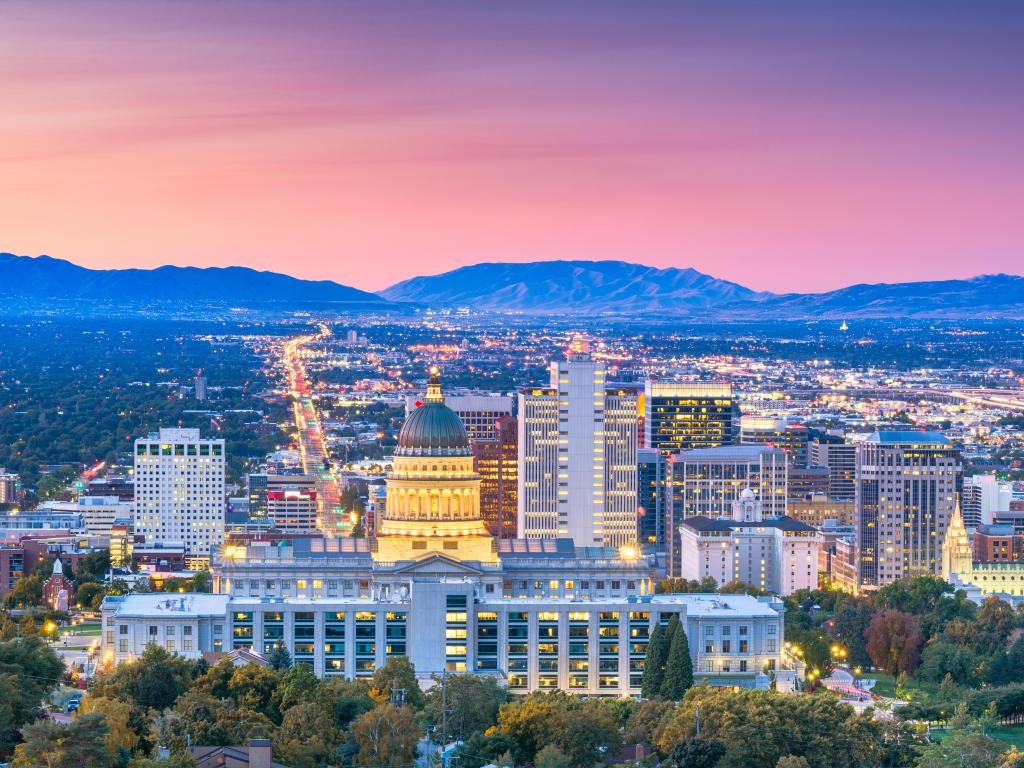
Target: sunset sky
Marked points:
786	146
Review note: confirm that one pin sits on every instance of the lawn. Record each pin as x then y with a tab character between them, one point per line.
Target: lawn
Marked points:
883	683
85	629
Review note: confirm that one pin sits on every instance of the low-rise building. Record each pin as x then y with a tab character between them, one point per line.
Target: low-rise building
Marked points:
777	554
591	647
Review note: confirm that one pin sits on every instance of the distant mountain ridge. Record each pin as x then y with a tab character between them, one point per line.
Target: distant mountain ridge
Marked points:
614	287
43	277
554	286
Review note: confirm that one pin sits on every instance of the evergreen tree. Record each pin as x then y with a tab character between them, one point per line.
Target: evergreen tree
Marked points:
678	666
654	663
279	658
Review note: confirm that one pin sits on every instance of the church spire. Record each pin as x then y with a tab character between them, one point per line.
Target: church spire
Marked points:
957	556
434	386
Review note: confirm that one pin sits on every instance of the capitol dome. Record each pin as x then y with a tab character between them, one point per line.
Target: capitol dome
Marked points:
433	429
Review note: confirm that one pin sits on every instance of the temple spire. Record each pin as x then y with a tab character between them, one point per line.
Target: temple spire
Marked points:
434	386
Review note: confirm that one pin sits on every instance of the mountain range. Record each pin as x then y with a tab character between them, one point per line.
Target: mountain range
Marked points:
621	287
43	277
545	287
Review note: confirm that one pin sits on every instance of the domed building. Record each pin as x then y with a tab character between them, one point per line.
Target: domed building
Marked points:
433	494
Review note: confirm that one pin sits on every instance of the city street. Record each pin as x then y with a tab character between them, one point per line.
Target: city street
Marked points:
312	447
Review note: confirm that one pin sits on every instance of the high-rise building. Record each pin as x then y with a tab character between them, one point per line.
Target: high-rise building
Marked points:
982	497
792	438
479	413
179	490
8	487
292	508
100	513
260	484
706	481
496	460
682	416
577	457
804	482
200	388
651	498
906	492
841	460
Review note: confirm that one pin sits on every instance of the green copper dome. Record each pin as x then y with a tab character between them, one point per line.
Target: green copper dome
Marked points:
433	429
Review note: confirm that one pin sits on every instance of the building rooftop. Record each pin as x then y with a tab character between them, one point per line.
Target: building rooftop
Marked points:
726	453
701	523
909	437
714	606
157	605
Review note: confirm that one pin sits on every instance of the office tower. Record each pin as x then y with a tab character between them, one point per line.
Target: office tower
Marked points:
804	482
841	460
8	487
651	498
479	413
100	513
819	510
982	497
496	460
577	457
112	485
706	481
906	488
376	506
680	416
179	491
792	438
200	388
260	484
292	508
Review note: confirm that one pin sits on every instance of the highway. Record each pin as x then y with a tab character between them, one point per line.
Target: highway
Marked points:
332	520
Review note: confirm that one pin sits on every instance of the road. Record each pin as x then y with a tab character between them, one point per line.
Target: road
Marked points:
332	520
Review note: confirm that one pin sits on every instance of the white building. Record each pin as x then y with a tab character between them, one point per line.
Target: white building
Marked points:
578	456
593	648
100	512
706	481
982	497
179	491
777	554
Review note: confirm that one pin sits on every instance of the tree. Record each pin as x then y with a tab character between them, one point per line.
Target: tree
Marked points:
255	687
386	736
29	670
941	658
154	681
118	718
792	761
89	594
644	720
8	629
894	642
307	737
759	727
696	752
346	699
472	703
26	593
678	666
551	757
583	729
79	744
654	663
962	749
396	675
997	620
279	658
27	627
850	624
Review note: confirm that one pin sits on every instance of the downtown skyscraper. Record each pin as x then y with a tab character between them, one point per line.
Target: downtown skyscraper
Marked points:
906	489
179	491
681	416
578	457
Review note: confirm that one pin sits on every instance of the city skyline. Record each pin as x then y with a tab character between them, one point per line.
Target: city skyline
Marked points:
796	148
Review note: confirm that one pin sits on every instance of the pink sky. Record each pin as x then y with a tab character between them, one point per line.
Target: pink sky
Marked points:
804	148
